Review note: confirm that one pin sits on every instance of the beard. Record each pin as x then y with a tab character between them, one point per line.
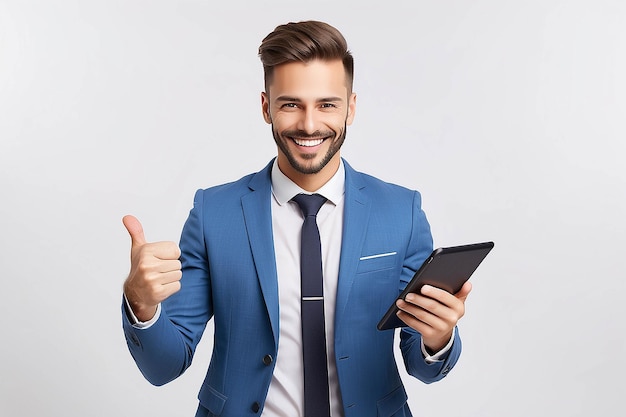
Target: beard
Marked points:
336	138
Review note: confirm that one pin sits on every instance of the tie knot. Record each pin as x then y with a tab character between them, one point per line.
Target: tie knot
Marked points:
309	203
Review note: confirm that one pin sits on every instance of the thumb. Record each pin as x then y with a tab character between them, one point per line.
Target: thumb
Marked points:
135	230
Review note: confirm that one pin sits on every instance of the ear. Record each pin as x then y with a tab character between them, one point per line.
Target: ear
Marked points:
265	107
351	108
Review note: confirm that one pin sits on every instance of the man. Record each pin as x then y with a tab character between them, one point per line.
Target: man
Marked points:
240	264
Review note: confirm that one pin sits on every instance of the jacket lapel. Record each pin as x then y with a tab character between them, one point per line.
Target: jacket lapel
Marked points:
258	217
257	212
355	220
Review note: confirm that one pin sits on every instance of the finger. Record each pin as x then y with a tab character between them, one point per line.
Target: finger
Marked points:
165	290
164	250
156	289
170	288
436	294
444	297
434	335
172	277
431	326
464	291
425	309
135	230
171	265
159	293
159	272
152	265
421	320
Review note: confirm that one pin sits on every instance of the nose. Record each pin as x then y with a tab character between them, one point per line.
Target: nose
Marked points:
308	120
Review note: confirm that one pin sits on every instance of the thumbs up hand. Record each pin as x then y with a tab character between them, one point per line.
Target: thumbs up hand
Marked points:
155	271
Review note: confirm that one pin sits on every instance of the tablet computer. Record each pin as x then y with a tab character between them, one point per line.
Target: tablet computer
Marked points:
446	268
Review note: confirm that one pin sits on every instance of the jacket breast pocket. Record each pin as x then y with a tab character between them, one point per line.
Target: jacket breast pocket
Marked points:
377	262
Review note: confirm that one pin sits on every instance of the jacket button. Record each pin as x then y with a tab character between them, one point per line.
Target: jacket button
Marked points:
255	407
267	360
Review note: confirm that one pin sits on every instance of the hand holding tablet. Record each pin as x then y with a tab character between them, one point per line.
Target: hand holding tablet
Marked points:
446	268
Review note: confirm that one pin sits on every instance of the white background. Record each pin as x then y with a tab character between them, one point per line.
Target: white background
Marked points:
508	116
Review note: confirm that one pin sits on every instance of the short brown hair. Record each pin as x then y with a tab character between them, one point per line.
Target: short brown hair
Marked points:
304	42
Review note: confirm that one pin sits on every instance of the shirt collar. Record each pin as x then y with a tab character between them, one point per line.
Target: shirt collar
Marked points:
284	189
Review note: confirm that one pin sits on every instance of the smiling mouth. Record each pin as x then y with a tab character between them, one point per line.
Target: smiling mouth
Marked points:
309	143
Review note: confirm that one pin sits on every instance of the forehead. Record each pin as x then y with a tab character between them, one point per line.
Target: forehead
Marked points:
309	79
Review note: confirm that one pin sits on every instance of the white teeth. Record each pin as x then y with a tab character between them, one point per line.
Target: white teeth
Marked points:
308	143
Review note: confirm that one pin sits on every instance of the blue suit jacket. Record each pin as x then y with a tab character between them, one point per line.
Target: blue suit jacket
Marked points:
229	274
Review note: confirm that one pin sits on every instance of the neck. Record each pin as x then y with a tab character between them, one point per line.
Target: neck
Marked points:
310	182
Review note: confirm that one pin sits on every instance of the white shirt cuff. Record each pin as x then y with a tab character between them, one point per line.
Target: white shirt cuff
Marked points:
142	324
436	357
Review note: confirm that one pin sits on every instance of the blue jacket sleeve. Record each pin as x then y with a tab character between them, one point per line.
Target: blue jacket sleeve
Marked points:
164	350
420	247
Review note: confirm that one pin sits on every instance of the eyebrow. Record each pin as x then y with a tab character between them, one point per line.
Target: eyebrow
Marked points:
319	100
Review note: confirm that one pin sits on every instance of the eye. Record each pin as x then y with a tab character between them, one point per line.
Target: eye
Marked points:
328	105
289	106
